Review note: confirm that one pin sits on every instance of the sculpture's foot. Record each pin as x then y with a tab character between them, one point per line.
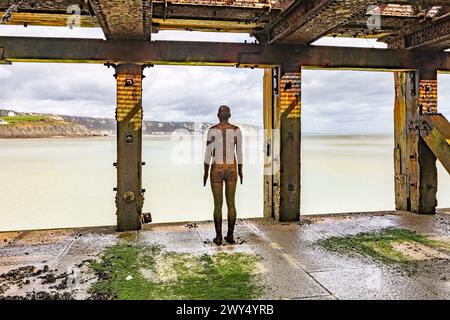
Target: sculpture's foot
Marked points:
218	240
230	239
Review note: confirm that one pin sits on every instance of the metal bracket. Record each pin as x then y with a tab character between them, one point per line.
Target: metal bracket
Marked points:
109	65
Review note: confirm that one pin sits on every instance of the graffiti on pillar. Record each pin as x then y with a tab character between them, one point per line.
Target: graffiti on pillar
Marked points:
428	96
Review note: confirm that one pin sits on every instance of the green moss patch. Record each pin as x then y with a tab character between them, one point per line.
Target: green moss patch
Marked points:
389	245
139	272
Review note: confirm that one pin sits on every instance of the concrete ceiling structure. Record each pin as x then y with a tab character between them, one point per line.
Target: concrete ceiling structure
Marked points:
402	24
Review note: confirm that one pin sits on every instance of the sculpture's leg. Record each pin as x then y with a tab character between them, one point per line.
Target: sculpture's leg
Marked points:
217	190
230	191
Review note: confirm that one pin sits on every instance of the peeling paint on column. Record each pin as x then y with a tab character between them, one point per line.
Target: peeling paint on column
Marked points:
129	88
428	90
290	97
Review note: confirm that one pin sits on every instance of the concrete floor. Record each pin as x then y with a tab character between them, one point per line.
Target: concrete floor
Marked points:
293	266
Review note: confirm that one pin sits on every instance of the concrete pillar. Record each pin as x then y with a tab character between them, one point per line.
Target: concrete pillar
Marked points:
282	106
415	163
129	197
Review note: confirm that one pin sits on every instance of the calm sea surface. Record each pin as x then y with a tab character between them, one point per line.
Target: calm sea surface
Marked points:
52	183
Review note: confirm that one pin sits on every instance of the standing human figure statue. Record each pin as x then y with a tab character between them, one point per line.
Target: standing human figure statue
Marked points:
224	154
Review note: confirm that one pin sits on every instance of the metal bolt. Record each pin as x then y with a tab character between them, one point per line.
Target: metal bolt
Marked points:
129	196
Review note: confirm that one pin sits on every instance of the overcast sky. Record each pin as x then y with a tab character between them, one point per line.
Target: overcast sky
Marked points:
332	101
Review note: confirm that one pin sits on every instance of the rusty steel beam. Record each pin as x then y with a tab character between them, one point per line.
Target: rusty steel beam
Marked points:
23	49
308	20
129	196
432	35
222	3
47	6
51	20
121	19
305	21
436	133
171	10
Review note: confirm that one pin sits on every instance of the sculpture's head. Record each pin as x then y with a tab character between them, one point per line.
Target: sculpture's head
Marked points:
224	113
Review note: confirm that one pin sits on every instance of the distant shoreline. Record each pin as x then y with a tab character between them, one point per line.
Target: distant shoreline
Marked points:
14	125
169	135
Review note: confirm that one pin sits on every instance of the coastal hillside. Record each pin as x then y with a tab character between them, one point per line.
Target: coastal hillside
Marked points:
15	124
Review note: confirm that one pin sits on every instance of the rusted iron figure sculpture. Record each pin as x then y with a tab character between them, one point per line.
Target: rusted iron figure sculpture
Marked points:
224	154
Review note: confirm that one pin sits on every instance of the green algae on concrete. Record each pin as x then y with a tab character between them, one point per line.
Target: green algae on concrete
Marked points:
382	245
139	272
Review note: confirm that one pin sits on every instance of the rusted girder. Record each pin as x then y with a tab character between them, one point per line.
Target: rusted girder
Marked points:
432	35
308	20
196	17
47	6
121	19
305	21
170	10
28	49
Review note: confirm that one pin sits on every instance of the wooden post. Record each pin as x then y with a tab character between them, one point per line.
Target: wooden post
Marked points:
129	197
415	163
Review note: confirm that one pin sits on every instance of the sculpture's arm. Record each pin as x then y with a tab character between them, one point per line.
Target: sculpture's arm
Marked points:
207	158
239	154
